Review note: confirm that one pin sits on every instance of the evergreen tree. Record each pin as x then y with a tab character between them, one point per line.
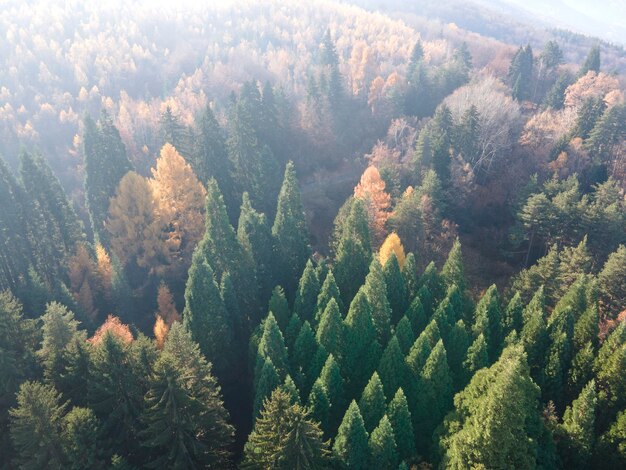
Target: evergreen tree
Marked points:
534	335
437	380
186	424
272	346
555	97
206	316
496	420
396	288
330	330
392	368
319	405
405	335
579	428
382	446
290	232
268	380
279	307
559	355
488	321
372	402
307	293
432	290
512	316
82	443
400	419
375	289
105	165
521	73
476	358
409	270
418	355
607	133
415	313
292	330
456	347
328	291
335	387
453	272
36	427
609	366
303	355
351	448
285	437
289	387
592	62
173	132
441	142
612	281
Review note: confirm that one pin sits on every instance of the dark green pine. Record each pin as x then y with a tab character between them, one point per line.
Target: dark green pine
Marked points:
396	288
405	335
372	402
400	419
330	330
279	306
376	290
268	381
351	448
319	405
328	291
416	315
382	446
411	279
308	290
335	387
392	368
488	321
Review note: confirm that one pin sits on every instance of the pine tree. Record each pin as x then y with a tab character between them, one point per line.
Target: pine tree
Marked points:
559	355
521	73
319	405
431	281
436	379
392	368
255	236
612	281
579	427
186	423
285	437
328	291
415	313
105	165
272	346
36	427
476	358
396	289
292	330
418	355
330	330
592	62
512	316
400	419
289	387
351	448
488	321
382	446
290	232
82	443
534	335
302	356
409	270
441	142
405	335
453	272
376	291
335	387
279	307
496	421
609	367
267	380
206	316
372	402
306	295
457	346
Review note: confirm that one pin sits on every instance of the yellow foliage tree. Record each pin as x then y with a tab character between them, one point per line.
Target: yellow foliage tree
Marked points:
165	316
114	326
136	232
105	270
179	196
371	189
392	244
84	279
160	331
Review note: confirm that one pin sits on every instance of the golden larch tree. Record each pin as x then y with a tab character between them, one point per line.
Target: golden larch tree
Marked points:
105	270
114	326
136	232
165	316
392	244
84	279
179	197
371	189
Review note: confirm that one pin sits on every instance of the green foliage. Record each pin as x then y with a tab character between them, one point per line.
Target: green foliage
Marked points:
351	449
335	388
372	402
382	446
82	442
304	351
521	73
415	313
328	291
534	334
279	307
404	333
268	380
396	288
290	232
609	367
285	437
512	318
272	346
308	290
612	281
319	405
330	330
578	426
592	62
488	321
453	272
400	419
289	387
392	368
476	358
36	427
411	280
375	289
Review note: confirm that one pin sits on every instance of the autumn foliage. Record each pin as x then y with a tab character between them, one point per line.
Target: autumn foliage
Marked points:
114	326
392	244
371	189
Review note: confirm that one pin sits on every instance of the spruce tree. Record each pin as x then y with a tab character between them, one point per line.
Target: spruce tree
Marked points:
432	281
456	347
82	442
306	295
272	346
436	378
285	437
392	368
375	289
534	335
279	307
328	291
396	289
488	321
36	427
330	330
335	388
559	355
206	317
418	355
512	316
290	232
372	402
416	315
319	405
268	380
351	449
579	428
290	388
411	280
592	62
186	424
404	332
382	446
400	419
453	272
304	351
292	330
475	359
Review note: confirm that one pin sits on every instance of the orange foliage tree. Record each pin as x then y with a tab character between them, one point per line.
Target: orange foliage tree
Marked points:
371	189
392	244
113	325
165	316
84	280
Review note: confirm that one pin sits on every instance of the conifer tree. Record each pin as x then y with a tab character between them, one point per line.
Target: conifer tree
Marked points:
559	355
105	165
292	330
512	316
319	405
396	289
457	346
400	419
392	368
579	427
612	281
534	335
409	270
382	446
206	316
290	232
329	291
272	346
306	295
405	335
36	427
441	142
453	272
376	291
608	367
267	381
432	281
416	315
418	355
290	388
279	307
351	447
302	356
521	73
285	437
476	358
330	330
592	62
335	388
488	321
186	424
437	379
82	443
372	402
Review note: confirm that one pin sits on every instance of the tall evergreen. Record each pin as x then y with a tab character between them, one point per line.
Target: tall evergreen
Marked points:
512	316
534	335
521	73
335	388
272	346
308	290
375	289
279	307
383	451
290	232
105	165
267	380
404	332
319	405
441	142
400	419
82	440
592	62
330	330
475	359
396	288
453	272
329	291
392	368
302	357
186	424
488	321
579	429
372	402
411	280
415	313
351	448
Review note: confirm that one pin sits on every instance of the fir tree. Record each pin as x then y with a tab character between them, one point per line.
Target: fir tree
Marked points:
392	368
534	335
289	387
476	358
488	321
405	335
268	380
335	388
416	315
512	316
328	291
292	330
307	293
409	270
436	379
351	448
279	307
304	351
396	289
330	330
382	446
400	419
592	62
272	346
82	440
579	428
453	272
319	405
372	402
376	291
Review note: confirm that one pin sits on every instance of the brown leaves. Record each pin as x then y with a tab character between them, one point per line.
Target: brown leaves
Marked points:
114	326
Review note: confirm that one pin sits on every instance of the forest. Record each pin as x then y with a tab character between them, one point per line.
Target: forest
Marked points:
309	235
